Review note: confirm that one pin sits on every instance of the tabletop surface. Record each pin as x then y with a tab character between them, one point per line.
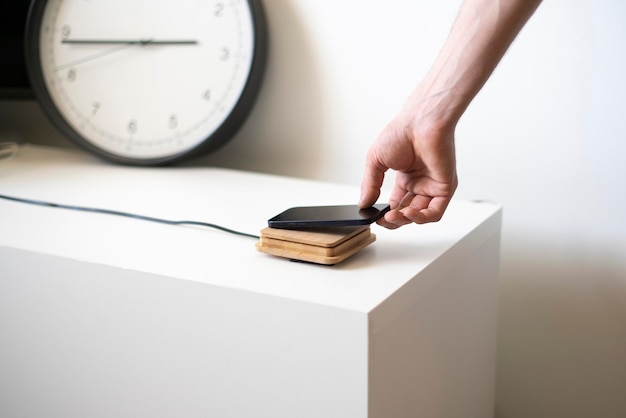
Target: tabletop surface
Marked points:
241	201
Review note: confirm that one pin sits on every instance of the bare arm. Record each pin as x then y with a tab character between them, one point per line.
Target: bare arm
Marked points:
419	142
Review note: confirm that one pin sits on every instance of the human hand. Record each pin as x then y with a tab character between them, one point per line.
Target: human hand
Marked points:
422	152
419	143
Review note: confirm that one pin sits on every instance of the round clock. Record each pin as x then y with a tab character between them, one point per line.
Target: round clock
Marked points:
146	82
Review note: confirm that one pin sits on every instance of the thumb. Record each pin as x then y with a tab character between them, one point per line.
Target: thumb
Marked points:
371	183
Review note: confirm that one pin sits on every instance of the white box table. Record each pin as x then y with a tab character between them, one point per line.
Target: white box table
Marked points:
105	316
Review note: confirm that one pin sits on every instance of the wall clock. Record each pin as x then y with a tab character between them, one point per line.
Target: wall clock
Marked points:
146	82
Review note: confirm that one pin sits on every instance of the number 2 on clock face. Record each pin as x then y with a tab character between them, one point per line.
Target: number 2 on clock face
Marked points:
143	79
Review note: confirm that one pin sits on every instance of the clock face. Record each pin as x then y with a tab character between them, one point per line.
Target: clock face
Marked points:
145	81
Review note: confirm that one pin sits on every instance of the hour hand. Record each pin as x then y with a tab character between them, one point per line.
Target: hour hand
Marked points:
130	41
118	45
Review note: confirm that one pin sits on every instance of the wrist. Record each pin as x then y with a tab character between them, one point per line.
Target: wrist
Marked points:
434	109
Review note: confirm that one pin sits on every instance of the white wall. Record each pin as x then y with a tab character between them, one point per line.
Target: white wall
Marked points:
545	138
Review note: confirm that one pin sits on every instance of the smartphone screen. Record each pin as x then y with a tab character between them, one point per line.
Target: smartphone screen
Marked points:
327	216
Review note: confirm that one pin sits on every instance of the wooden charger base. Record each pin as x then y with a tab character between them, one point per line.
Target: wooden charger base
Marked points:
319	245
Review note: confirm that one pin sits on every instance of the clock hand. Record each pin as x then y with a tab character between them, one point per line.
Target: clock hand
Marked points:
121	45
130	42
94	56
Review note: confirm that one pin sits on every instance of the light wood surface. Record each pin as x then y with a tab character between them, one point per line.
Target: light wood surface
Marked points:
322	246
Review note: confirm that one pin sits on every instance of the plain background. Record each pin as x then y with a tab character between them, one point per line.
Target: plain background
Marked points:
545	138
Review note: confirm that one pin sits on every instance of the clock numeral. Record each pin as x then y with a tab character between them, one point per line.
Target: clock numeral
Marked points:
207	95
173	122
224	53
219	9
66	30
71	74
132	126
94	108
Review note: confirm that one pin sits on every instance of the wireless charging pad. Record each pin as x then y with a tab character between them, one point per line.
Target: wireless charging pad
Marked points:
316	245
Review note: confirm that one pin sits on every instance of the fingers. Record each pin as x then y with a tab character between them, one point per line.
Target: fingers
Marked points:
370	185
433	212
418	209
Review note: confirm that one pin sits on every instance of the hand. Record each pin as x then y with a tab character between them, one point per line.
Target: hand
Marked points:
419	142
422	153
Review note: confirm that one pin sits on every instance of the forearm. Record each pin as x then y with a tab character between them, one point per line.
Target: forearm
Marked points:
480	36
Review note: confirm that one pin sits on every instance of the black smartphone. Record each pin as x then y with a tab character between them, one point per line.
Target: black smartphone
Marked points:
327	216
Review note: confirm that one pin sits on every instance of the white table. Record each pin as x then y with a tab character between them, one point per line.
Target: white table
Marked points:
104	316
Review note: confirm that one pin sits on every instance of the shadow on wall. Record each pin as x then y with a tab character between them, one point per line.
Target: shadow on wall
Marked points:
274	138
562	335
23	121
